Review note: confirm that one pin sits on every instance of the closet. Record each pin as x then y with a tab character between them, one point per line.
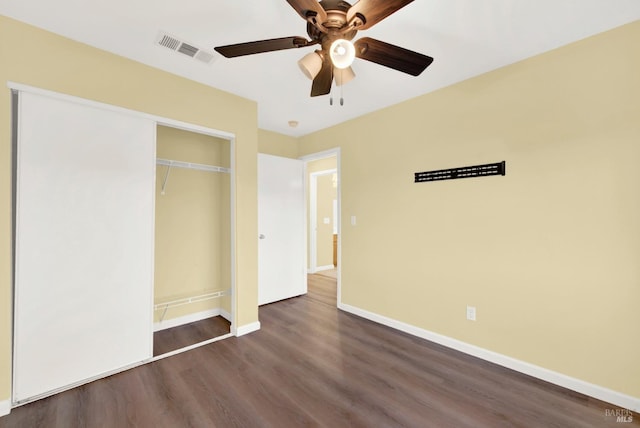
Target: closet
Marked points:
102	258
192	239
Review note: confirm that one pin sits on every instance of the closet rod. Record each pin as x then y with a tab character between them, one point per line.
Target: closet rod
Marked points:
189	165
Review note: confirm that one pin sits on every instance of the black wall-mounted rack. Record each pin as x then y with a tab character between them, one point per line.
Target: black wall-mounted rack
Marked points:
485	170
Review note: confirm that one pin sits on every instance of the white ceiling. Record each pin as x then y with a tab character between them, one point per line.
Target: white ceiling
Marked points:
466	38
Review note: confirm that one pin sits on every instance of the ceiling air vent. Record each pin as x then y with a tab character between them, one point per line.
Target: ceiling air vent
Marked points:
169	42
188	50
204	56
177	45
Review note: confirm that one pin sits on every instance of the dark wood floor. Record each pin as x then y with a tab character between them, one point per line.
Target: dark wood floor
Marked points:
313	366
185	335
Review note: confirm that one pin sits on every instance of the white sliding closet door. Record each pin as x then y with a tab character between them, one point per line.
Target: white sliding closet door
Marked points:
84	243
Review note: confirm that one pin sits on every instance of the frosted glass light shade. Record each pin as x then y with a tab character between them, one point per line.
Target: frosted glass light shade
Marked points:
310	65
342	53
343	75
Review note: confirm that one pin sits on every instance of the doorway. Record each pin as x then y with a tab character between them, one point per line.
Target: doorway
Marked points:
322	188
323	212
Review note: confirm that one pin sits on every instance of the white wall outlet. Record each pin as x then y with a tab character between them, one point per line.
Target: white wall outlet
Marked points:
326	220
471	313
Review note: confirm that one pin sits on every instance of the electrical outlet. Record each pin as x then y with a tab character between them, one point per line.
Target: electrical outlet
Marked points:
471	313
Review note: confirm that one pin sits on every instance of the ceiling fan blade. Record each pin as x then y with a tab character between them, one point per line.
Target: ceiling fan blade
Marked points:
374	11
309	10
322	82
260	46
392	56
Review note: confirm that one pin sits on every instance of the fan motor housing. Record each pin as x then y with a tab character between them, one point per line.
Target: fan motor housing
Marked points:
336	13
335	26
337	5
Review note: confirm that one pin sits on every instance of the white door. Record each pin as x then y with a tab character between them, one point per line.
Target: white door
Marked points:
281	225
84	244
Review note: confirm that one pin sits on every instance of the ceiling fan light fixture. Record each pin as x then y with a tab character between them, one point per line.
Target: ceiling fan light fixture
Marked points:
342	53
310	64
343	75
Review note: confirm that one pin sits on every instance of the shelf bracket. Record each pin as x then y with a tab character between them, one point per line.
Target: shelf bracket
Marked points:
164	313
166	177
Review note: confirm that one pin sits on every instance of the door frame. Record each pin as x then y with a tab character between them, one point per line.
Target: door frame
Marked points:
334	152
313	217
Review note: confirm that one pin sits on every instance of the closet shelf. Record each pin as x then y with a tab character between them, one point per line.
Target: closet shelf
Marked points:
170	163
190	165
190	299
164	306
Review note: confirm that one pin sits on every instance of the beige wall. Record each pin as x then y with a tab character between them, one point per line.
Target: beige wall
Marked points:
273	143
192	242
72	68
549	253
326	193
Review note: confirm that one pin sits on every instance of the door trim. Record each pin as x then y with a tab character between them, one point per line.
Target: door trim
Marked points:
323	155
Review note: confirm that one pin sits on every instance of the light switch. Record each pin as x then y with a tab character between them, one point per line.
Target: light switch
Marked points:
353	220
326	220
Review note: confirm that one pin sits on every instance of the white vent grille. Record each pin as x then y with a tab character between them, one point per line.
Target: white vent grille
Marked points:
188	50
169	42
177	45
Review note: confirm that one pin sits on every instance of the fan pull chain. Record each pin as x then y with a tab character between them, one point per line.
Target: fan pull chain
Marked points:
341	100
341	92
331	96
341	86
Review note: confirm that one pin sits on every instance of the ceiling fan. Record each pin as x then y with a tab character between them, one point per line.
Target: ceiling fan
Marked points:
332	24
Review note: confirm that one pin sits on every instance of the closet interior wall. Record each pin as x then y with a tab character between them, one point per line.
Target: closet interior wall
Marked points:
192	229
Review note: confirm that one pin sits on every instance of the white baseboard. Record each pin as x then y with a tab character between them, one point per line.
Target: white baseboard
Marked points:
226	315
247	328
186	319
320	269
5	407
595	391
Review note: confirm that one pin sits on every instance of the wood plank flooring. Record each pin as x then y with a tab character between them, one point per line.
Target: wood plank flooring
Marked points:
311	365
185	335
